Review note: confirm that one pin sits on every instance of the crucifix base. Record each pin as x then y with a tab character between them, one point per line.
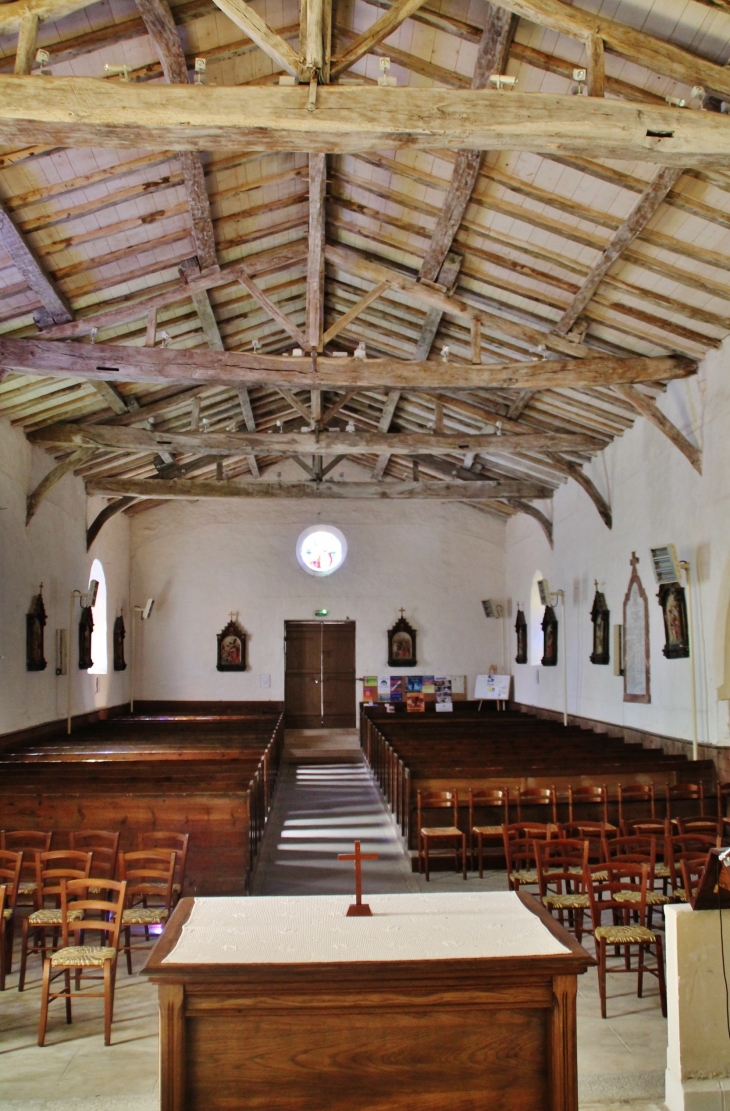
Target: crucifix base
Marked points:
359	910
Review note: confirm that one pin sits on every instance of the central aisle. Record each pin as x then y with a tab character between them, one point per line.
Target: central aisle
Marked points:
326	800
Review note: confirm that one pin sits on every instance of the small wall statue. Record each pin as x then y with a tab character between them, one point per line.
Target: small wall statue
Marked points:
521	631
549	638
86	628
600	616
118	635
35	623
676	627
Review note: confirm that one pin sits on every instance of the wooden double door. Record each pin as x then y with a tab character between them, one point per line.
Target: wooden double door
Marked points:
319	685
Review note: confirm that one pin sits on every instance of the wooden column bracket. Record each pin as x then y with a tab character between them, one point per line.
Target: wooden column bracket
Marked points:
649	409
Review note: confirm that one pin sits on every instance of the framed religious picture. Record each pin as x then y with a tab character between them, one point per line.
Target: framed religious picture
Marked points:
35	623
86	628
402	644
600	617
232	647
521	631
549	638
636	639
118	635
676	629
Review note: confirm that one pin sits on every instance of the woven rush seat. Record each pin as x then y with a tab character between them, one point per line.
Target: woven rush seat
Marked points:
653	898
8	913
624	935
491	831
681	894
27	887
565	902
83	956
663	872
52	917
601	876
144	916
524	877
441	831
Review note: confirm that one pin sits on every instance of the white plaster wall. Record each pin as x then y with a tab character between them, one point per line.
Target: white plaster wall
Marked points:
52	550
656	497
200	561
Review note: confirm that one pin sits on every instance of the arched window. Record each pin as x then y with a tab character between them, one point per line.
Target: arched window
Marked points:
537	611
98	612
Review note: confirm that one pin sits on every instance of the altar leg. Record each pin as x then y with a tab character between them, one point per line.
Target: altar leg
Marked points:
172	1047
563	1055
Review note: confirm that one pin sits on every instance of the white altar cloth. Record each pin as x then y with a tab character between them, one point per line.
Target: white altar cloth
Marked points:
313	929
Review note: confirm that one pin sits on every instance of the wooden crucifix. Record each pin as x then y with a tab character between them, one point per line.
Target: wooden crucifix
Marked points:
358	909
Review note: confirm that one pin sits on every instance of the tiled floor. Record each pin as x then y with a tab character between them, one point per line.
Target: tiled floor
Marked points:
325	800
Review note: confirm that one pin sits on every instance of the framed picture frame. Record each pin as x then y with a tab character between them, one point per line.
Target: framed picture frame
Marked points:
521	632
35	623
549	638
601	617
231	655
673	601
402	644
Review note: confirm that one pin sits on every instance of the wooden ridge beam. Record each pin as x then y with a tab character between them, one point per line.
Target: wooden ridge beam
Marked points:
56	309
135	440
640	215
278	49
116	363
84	112
649	409
388	22
44	487
638	46
429	491
492	57
315	253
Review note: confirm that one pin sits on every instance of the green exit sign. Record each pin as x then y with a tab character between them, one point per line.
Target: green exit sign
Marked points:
321	613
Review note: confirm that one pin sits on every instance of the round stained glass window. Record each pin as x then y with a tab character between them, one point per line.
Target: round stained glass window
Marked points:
321	549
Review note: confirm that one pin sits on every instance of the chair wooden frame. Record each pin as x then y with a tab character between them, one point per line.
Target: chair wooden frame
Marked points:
103	844
76	958
166	839
537	796
561	867
439	800
635	792
51	869
684	792
587	796
494	799
11	867
688	846
624	893
29	842
148	873
519	852
693	869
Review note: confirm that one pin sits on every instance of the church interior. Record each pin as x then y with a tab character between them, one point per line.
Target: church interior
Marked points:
415	792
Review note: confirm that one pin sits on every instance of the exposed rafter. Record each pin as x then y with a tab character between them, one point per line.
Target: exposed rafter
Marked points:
315	255
44	487
55	307
251	23
389	22
649	409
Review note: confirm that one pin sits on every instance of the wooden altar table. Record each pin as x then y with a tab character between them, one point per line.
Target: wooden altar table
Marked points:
463	1002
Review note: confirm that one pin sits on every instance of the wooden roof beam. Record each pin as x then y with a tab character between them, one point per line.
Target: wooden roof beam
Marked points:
347	318
448	278
352	118
492	57
389	22
270	307
105	515
649	409
430	491
641	214
315	253
117	363
532	511
386	419
56	309
140	440
44	487
278	49
652	53
244	400
163	33
576	472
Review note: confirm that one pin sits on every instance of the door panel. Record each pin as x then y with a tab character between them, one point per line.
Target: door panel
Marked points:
319	688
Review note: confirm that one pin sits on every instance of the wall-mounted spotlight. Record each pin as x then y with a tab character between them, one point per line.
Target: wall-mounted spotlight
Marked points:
502	81
492	609
199	77
384	78
118	71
